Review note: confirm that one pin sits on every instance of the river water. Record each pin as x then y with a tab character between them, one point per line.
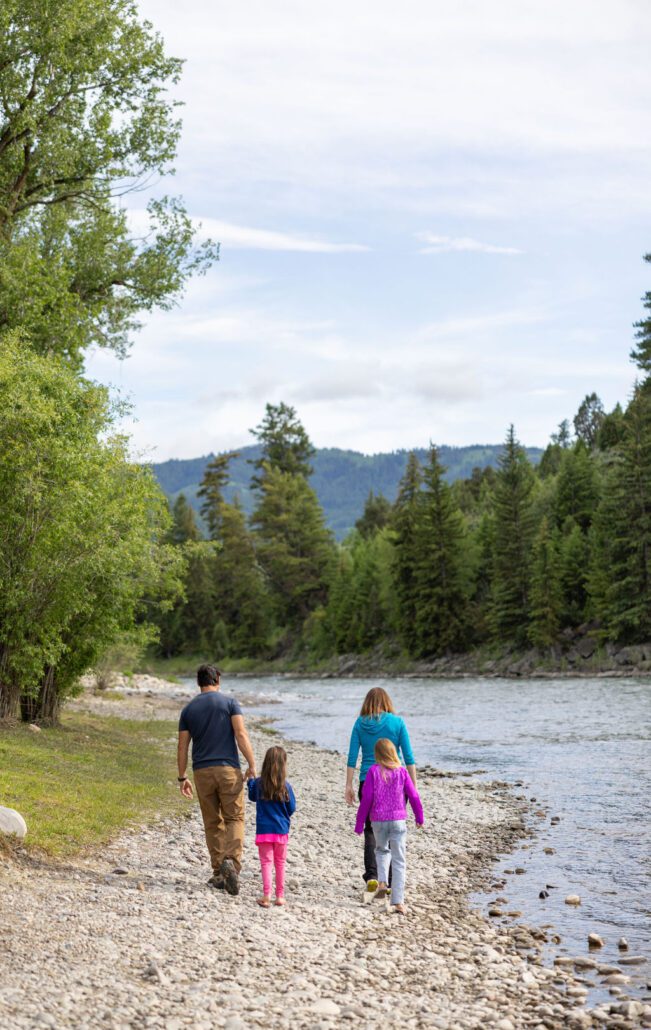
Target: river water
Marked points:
580	747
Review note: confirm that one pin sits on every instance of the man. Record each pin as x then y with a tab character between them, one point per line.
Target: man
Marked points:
215	725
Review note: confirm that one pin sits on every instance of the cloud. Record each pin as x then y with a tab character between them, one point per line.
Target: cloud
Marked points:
246	238
447	244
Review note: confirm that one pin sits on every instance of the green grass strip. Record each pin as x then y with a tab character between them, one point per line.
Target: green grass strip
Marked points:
77	785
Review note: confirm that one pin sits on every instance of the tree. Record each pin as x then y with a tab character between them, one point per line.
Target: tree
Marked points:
641	353
512	537
546	593
562	437
588	419
184	525
407	526
242	600
85	118
574	555
441	600
577	487
620	582
612	430
215	479
285	444
82	544
376	515
294	548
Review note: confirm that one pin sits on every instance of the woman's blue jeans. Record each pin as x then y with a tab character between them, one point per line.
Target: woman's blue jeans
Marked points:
391	850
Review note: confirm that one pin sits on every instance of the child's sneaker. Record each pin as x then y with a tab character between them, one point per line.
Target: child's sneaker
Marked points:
369	891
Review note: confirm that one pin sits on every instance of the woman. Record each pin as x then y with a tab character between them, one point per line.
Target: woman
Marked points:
376	719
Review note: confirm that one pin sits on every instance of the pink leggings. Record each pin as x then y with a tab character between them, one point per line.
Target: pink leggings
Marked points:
273	853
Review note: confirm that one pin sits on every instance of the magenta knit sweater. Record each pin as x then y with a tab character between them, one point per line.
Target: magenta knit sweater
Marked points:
384	795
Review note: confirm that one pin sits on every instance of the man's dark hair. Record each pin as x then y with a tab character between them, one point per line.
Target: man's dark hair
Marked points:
207	675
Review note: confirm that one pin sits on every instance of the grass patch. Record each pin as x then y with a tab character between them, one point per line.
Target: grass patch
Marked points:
80	783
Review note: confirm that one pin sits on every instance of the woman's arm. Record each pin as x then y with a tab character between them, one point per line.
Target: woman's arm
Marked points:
353	752
404	744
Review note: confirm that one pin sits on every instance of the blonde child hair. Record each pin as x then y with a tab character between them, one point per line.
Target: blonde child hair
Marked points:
386	755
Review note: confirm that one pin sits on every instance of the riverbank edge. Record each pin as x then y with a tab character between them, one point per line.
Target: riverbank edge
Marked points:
584	660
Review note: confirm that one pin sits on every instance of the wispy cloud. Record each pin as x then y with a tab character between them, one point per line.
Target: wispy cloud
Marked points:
247	238
445	244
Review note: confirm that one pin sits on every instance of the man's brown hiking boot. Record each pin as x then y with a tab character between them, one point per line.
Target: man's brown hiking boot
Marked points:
231	879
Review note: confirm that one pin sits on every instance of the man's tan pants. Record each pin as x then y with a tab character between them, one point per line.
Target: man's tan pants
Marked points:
220	789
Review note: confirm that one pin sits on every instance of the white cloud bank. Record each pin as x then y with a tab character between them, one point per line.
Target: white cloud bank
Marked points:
449	244
246	238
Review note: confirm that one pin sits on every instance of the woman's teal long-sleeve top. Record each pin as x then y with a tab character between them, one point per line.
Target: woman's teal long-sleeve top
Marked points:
368	729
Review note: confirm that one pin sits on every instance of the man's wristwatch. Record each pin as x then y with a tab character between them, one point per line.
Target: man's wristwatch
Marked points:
181	778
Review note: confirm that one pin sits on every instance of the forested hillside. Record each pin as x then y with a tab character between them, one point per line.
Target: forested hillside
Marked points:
519	556
342	479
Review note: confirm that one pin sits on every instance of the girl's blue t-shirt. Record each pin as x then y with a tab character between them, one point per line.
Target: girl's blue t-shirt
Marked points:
368	729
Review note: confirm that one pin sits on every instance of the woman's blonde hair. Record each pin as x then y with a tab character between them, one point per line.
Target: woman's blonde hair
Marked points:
274	771
386	754
376	702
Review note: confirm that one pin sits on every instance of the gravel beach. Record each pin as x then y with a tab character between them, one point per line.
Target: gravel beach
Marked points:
132	936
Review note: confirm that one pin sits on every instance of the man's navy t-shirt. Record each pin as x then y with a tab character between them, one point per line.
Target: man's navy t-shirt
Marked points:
208	720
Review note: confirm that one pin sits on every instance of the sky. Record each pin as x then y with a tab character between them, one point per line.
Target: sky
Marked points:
432	220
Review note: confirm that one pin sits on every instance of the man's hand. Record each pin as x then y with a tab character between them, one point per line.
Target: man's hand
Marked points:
349	794
186	788
250	774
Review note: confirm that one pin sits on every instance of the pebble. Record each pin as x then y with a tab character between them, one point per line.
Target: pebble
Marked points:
573	899
595	941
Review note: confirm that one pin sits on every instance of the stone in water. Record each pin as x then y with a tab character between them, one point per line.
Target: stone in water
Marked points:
573	899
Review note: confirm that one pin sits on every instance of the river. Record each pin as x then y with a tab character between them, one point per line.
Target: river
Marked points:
580	748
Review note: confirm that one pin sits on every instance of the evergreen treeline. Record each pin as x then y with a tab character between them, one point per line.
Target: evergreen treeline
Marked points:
517	555
342	479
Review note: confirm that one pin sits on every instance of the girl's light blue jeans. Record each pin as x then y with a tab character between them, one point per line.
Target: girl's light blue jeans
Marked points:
391	850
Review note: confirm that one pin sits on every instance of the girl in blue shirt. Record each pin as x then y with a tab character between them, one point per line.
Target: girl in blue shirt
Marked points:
274	806
376	719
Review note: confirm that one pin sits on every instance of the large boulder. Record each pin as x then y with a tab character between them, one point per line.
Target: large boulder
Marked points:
12	823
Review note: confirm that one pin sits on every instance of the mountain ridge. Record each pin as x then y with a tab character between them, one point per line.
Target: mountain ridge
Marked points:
341	478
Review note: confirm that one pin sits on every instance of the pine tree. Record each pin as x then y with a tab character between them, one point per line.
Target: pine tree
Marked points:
641	353
546	593
285	444
242	601
184	526
620	581
577	489
512	537
441	600
377	515
574	554
294	547
406	524
215	479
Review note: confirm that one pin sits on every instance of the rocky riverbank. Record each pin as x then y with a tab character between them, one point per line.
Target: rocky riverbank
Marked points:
132	937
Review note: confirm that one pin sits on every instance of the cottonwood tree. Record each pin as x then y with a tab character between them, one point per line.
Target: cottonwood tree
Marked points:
85	118
82	551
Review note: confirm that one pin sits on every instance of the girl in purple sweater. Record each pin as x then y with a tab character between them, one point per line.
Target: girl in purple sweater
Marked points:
386	788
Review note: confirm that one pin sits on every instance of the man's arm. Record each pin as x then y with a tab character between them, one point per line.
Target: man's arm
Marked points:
244	744
182	759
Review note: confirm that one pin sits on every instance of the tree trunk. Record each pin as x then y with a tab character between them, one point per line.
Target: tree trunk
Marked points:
9	692
44	707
